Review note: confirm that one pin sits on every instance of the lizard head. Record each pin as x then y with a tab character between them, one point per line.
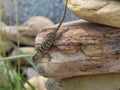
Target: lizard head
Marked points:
36	56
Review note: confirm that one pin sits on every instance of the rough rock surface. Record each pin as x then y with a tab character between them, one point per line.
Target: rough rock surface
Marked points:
51	9
99	11
95	82
84	49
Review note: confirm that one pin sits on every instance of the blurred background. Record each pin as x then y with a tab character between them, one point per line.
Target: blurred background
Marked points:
52	9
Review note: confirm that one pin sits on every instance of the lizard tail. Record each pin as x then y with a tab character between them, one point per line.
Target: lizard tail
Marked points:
63	16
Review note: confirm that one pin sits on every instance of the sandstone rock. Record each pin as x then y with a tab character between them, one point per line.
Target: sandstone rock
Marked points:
95	82
5	46
12	33
36	24
25	34
86	49
37	82
99	11
25	50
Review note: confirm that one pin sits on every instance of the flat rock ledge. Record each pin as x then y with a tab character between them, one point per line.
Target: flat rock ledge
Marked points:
84	49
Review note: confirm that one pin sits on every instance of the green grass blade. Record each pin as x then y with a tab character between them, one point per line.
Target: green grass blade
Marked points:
13	57
28	59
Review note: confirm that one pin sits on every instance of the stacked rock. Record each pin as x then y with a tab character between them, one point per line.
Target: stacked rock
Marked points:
86	49
105	12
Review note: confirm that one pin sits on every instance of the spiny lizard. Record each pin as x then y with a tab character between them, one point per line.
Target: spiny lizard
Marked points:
51	37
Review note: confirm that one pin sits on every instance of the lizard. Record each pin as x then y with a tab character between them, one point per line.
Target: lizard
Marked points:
48	42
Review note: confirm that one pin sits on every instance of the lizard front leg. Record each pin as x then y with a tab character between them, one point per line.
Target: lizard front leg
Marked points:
60	34
37	56
49	56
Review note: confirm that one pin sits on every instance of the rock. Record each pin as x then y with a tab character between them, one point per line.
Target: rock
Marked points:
25	50
52	9
5	47
37	82
99	11
36	24
95	82
53	84
84	49
12	33
30	72
25	33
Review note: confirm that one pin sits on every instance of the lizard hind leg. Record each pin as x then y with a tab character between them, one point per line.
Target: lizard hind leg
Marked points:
49	56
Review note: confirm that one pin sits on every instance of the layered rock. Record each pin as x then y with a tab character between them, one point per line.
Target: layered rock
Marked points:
99	11
84	49
12	33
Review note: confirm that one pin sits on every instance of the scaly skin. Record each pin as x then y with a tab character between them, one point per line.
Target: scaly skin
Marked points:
47	44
